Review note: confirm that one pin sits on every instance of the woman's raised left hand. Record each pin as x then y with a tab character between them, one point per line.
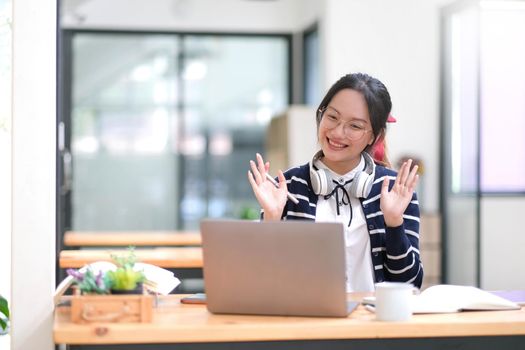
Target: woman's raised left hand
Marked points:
395	201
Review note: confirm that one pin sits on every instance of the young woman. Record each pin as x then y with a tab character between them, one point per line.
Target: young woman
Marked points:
378	207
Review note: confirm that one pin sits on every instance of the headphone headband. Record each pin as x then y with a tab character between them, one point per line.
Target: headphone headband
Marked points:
322	180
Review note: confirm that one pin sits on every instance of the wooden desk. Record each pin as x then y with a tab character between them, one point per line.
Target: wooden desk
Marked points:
172	258
193	327
134	238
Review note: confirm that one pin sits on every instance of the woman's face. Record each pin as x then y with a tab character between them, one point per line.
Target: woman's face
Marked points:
349	113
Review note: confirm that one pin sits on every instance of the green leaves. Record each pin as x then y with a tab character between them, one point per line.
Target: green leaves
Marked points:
88	282
125	278
4	312
126	261
249	213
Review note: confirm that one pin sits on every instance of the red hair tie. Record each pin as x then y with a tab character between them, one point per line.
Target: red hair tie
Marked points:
391	118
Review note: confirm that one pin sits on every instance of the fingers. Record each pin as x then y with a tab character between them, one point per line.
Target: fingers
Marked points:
255	173
259	169
261	166
404	172
384	186
414	184
252	181
282	179
255	188
412	179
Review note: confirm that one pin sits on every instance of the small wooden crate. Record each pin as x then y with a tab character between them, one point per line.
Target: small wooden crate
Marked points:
111	308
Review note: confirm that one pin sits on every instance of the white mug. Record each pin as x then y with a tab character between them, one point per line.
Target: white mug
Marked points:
393	301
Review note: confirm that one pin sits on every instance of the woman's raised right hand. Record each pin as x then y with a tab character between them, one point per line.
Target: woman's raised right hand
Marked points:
272	199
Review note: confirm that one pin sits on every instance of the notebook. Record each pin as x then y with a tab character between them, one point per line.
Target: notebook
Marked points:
275	268
447	298
515	296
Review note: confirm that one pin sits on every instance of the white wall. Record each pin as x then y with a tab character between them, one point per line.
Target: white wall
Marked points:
5	156
185	15
398	43
33	174
309	12
5	218
502	243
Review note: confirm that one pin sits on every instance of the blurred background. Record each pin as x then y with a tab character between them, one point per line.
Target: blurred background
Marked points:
162	103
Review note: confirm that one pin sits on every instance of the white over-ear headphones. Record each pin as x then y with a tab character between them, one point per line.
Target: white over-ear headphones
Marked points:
323	182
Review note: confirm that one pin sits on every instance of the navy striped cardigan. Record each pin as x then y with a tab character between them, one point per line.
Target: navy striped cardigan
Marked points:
394	250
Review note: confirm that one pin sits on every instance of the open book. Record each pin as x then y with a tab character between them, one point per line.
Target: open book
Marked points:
446	298
449	298
517	295
159	280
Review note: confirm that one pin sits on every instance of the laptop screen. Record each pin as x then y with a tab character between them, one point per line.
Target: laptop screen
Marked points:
274	268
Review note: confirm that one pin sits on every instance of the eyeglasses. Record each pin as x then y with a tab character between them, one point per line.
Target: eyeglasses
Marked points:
353	130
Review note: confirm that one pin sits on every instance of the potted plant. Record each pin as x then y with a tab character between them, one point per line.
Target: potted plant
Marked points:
111	295
89	282
125	279
4	314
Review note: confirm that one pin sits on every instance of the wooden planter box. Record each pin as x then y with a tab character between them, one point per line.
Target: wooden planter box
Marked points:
111	308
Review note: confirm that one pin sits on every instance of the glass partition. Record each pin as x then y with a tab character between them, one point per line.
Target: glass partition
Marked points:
502	92
460	138
123	131
482	124
233	86
163	125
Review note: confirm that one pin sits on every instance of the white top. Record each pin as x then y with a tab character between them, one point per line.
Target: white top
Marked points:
359	268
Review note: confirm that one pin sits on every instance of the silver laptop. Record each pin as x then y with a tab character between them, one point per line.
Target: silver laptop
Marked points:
288	268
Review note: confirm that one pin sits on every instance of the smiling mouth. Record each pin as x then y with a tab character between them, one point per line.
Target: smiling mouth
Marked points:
336	145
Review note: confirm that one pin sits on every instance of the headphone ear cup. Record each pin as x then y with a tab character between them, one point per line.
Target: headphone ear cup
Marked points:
319	181
353	190
361	185
367	185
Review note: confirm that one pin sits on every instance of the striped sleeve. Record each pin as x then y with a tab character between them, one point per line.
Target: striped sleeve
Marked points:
403	262
297	183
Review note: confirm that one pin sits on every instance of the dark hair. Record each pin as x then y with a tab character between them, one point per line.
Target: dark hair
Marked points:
376	96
